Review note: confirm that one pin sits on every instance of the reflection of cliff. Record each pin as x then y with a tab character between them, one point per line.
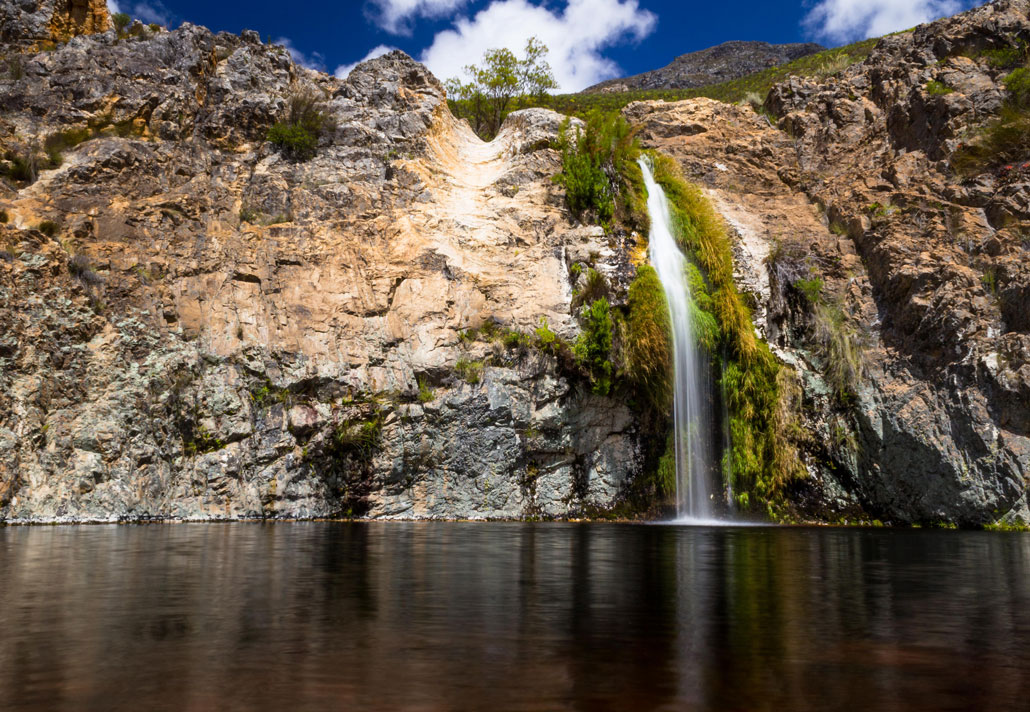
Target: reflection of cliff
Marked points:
512	616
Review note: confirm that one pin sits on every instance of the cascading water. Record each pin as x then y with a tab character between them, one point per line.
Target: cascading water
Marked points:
692	421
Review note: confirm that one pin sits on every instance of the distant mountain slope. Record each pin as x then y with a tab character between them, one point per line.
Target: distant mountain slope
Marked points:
730	60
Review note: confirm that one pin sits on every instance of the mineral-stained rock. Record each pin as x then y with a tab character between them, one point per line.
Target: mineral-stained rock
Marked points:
25	21
213	331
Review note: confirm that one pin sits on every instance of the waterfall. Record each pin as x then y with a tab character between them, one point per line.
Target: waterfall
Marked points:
692	421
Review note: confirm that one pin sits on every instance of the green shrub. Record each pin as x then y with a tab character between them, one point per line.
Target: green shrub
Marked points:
120	20
3	216
1018	85
599	169
812	289
23	166
594	346
1006	57
48	228
595	287
1005	140
425	392
307	119
469	371
647	354
838	344
79	267
293	141
935	88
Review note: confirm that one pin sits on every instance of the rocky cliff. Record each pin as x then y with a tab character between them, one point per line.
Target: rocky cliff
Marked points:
193	326
730	60
865	250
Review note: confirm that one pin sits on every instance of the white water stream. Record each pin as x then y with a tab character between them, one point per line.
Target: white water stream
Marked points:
692	417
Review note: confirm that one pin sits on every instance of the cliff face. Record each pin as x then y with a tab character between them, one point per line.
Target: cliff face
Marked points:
849	217
193	326
730	60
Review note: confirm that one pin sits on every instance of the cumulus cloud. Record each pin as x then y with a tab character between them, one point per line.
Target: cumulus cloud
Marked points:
148	11
840	21
152	11
344	69
575	36
397	16
312	60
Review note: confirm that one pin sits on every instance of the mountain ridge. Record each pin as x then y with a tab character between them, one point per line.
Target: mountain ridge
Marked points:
712	65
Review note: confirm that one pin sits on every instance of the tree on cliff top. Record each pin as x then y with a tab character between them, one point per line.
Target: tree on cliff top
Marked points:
499	85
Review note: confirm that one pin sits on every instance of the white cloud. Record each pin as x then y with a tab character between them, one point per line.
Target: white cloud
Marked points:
314	60
344	69
575	37
148	11
841	21
152	11
396	16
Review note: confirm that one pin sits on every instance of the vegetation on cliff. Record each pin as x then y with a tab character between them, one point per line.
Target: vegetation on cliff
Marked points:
603	183
760	459
500	85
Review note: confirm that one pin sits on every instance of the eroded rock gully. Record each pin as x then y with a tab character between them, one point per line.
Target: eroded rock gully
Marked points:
215	332
853	188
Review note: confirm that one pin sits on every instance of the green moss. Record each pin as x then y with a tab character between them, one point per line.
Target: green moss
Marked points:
648	347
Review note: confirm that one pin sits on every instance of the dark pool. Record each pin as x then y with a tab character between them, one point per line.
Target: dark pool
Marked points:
440	616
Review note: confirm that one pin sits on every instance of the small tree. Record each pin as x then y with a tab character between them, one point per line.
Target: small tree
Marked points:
502	83
120	20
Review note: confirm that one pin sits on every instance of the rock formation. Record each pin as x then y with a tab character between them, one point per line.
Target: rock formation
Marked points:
192	326
853	195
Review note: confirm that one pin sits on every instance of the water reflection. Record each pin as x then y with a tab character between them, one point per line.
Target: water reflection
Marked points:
511	616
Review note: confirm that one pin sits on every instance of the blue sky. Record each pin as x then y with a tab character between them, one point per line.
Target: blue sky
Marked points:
590	40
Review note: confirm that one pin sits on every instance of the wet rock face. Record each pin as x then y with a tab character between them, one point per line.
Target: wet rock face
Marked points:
192	326
855	189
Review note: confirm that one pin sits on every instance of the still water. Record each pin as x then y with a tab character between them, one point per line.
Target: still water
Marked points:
511	617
